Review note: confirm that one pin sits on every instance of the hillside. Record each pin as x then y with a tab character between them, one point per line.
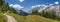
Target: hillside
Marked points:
3	9
2	18
31	18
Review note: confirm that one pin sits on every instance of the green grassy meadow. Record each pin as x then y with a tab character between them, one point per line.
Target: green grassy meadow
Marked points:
3	18
31	18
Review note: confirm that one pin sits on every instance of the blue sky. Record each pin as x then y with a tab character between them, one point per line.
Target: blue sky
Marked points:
27	4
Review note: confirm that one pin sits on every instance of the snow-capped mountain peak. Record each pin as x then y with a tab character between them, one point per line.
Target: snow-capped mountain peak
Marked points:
39	7
42	7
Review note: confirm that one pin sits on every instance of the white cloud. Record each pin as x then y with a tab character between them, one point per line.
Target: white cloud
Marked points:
50	4
16	6
33	6
38	5
56	2
21	0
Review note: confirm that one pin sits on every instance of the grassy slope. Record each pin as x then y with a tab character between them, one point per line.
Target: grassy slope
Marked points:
2	18
32	18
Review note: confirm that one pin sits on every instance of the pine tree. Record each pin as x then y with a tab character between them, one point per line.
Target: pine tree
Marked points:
4	7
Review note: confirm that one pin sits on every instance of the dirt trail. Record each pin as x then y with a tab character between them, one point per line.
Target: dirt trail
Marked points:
10	18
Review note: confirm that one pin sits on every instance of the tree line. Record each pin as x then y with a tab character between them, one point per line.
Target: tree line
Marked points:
51	14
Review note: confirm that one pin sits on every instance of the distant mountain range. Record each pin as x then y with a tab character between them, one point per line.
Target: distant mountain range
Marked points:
46	8
39	8
23	13
43	8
